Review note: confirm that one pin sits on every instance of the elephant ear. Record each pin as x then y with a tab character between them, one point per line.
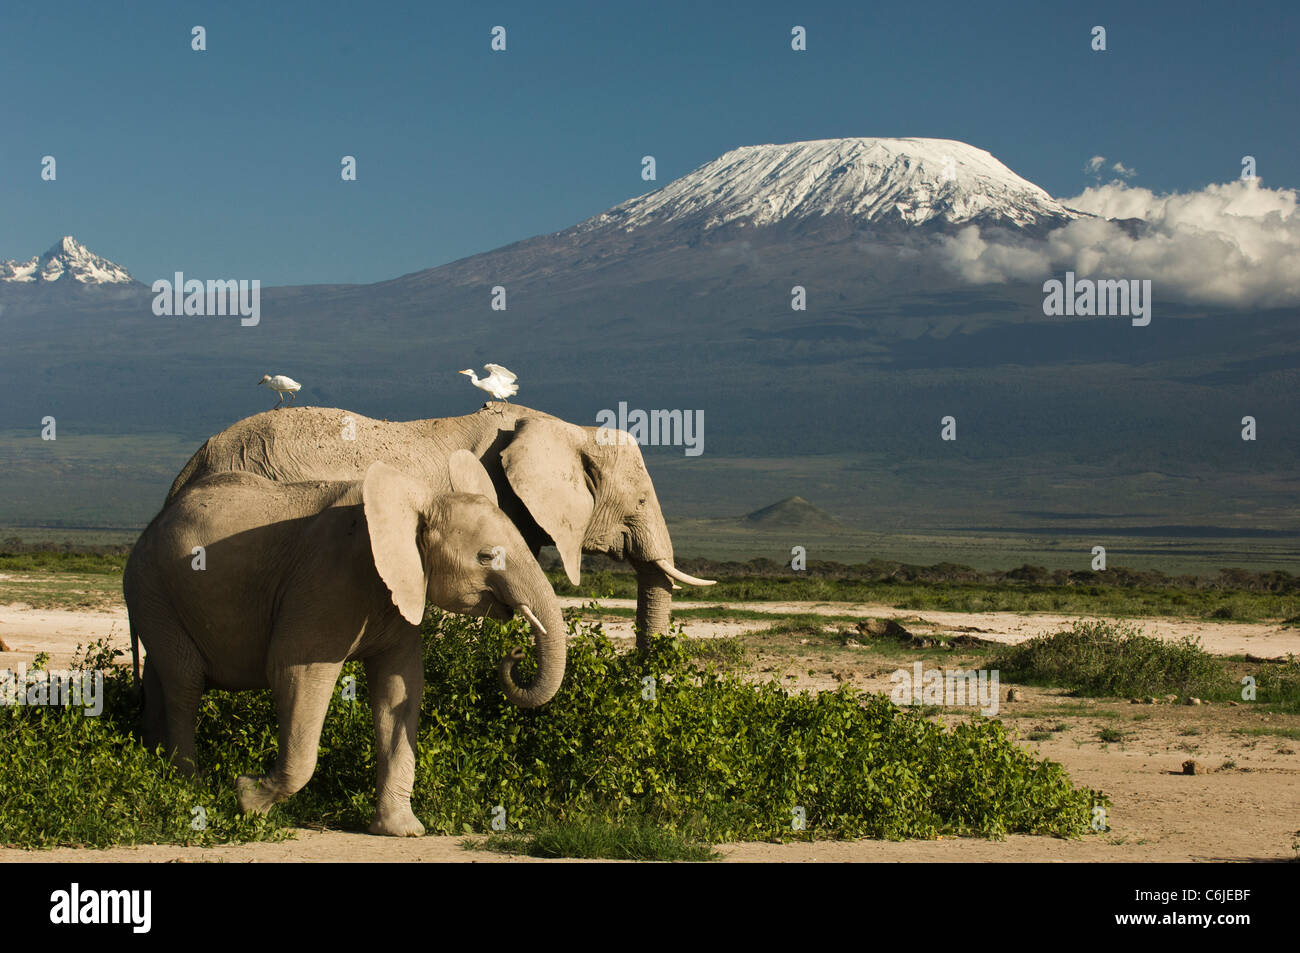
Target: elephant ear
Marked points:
392	506
544	468
468	476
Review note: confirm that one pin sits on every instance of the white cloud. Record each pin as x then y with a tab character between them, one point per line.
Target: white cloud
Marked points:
1232	244
1094	166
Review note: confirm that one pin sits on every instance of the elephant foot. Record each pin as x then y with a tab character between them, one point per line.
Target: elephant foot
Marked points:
253	795
397	822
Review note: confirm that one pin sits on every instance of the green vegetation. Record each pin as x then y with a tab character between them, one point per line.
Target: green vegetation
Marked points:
650	740
17	556
599	840
1276	685
724	651
1277	731
69	779
1113	659
1232	594
61	575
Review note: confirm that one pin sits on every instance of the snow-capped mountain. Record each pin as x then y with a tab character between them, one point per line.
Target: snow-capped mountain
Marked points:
67	259
904	181
819	200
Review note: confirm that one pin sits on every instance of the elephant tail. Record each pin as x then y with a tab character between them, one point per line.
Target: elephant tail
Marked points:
135	656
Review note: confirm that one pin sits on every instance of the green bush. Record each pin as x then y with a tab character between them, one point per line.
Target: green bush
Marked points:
1114	659
1279	685
634	739
67	778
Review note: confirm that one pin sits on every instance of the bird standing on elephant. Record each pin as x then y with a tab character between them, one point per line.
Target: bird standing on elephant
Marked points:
500	382
281	385
296	579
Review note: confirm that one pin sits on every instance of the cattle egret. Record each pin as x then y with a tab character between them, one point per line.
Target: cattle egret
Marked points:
281	385
500	383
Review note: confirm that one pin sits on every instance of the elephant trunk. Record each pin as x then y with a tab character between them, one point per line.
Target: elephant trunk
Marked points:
654	602
651	552
542	610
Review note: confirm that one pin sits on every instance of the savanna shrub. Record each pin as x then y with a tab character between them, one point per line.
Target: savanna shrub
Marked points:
1101	658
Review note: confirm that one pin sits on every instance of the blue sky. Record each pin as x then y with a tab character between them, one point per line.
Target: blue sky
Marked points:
226	162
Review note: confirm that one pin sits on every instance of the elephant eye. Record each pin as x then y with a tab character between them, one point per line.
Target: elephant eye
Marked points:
485	557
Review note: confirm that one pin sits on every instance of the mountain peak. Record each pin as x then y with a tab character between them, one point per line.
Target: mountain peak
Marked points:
67	258
907	181
794	512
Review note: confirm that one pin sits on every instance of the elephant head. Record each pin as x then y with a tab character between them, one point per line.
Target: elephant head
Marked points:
459	551
588	489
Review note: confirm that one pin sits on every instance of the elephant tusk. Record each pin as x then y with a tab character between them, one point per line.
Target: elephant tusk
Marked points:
674	573
532	619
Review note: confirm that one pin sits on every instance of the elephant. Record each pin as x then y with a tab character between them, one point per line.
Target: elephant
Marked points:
244	583
584	489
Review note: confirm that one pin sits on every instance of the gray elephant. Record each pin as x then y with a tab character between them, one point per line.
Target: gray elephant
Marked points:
294	579
581	488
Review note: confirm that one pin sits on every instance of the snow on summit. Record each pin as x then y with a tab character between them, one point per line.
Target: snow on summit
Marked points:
68	258
908	180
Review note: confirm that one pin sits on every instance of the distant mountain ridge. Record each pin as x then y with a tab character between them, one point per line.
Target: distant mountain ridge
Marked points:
68	258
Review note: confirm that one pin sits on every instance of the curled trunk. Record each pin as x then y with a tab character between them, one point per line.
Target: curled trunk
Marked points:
544	610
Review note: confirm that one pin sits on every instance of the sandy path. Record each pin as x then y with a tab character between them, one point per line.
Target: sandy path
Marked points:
59	631
1218	638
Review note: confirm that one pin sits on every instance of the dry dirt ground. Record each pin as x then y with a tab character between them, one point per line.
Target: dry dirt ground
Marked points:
59	631
1247	808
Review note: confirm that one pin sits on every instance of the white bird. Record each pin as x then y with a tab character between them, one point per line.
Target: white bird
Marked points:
281	385
500	383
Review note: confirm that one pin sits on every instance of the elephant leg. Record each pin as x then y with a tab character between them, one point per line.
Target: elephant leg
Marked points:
302	693
153	730
174	679
396	680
